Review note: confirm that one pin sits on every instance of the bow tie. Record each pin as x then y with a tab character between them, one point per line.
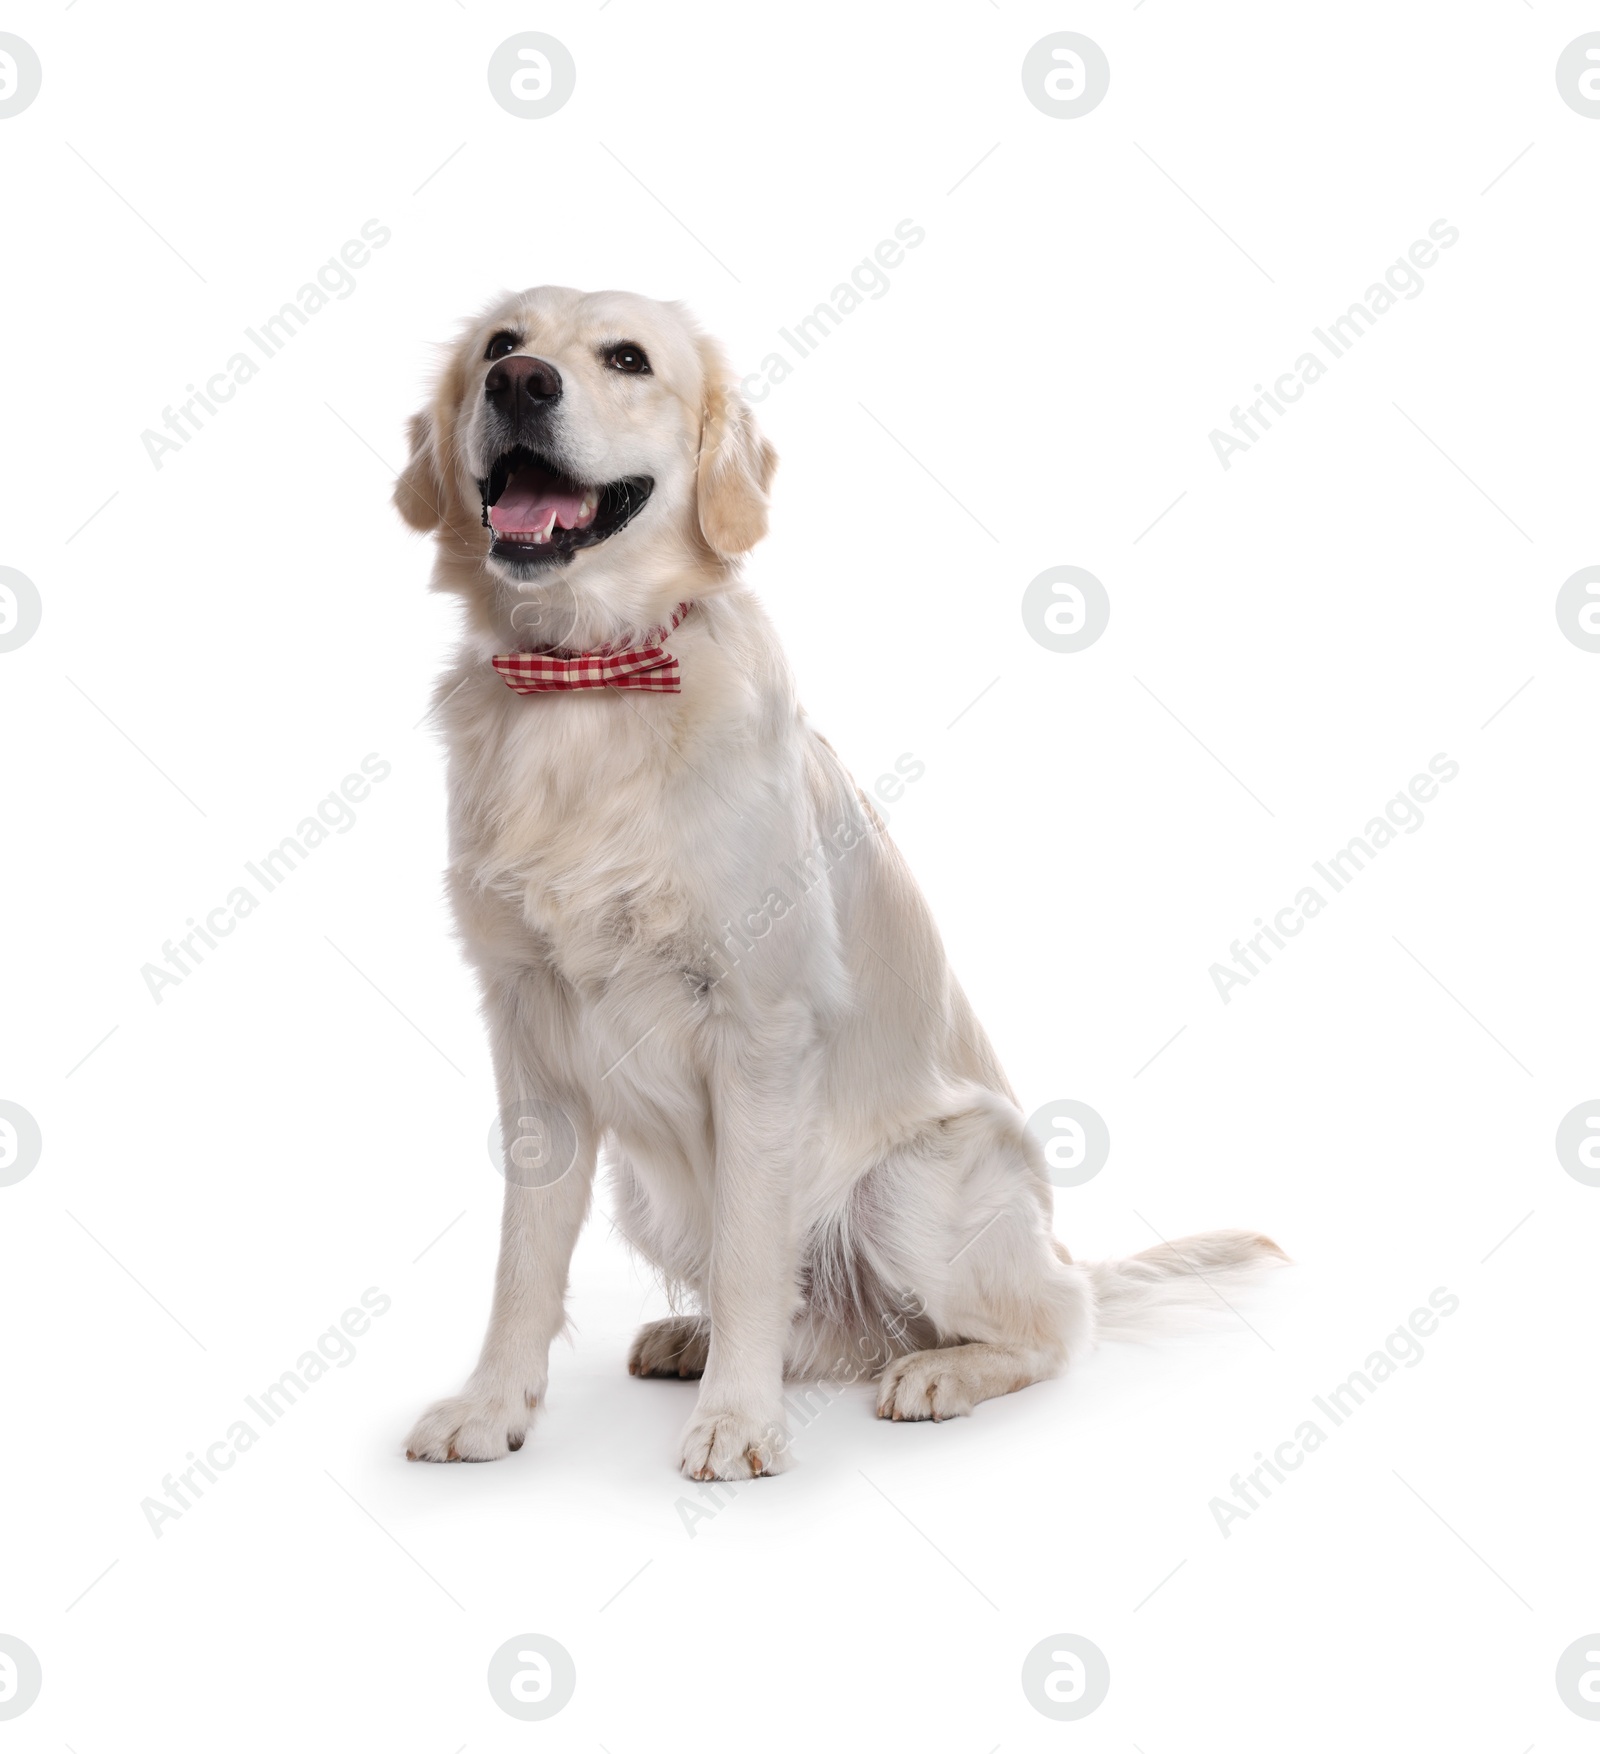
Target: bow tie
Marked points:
647	666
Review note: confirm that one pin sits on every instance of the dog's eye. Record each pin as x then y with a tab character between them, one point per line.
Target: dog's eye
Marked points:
625	357
502	343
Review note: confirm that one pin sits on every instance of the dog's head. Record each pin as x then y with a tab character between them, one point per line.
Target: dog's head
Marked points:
582	435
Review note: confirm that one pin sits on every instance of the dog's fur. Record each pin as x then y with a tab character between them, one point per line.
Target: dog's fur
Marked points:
694	939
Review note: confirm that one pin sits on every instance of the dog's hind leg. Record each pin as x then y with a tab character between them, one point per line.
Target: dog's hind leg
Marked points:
984	1267
676	1346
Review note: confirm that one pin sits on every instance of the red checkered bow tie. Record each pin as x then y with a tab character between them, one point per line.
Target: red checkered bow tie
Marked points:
649	666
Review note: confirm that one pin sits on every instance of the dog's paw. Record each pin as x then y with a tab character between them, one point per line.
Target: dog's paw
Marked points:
674	1347
471	1427
733	1446
925	1385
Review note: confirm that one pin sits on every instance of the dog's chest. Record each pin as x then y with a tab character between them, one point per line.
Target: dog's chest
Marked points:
565	812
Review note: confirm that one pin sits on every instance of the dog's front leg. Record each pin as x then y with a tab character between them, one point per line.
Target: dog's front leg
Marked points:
737	1430
538	1229
550	1148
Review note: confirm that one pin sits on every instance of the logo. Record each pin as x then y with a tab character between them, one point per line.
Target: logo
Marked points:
1578	1676
1578	75
1076	1141
1066	1676
20	1143
1066	609
20	1674
533	1142
531	1676
1065	75
1578	1144
20	608
20	75
1578	604
532	75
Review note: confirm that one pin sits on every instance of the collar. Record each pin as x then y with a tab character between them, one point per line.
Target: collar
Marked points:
648	665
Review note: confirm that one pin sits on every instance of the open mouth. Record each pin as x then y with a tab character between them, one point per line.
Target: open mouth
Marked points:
540	514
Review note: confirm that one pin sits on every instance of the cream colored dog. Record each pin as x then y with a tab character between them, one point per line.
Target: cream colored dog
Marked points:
695	943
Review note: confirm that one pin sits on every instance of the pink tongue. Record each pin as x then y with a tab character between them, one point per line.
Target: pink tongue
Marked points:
528	501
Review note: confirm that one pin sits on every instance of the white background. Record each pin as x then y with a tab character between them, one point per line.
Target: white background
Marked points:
306	1115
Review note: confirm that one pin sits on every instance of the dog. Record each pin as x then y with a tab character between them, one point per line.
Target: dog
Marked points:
697	947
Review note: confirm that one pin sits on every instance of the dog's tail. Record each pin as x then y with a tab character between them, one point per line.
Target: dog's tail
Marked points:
1166	1287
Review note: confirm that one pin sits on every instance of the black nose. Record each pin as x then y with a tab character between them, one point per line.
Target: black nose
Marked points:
519	383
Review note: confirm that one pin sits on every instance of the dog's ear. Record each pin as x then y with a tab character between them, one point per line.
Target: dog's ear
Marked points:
736	462
419	487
